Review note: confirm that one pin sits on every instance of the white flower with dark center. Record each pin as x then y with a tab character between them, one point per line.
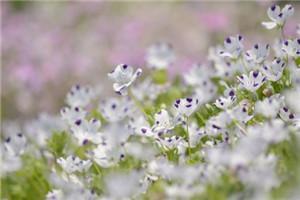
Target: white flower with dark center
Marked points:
70	115
241	113
114	110
15	144
252	82
269	107
162	121
160	55
258	53
291	47
233	47
169	142
227	100
186	106
278	16
218	124
273	71
205	91
79	96
286	114
74	164
123	76
87	131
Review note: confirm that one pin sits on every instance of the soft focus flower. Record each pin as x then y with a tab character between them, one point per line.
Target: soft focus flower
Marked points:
252	82
278	16
273	71
258	53
74	164
160	55
291	47
233	47
186	106
123	76
79	96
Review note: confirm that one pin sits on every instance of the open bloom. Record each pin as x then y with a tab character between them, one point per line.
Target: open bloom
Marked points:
160	55
269	107
87	131
123	76
227	100
79	96
73	164
274	70
291	47
278	16
186	106
72	114
258	53
233	47
15	144
252	82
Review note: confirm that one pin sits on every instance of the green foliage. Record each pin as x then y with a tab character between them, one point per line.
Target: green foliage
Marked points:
160	76
57	143
28	183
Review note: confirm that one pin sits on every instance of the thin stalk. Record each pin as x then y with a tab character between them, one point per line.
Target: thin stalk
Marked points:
188	136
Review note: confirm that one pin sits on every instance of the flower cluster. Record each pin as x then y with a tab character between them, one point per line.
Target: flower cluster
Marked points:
228	129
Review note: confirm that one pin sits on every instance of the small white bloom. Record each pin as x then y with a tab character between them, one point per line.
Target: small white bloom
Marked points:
169	142
72	114
15	144
269	107
79	96
195	134
252	82
197	74
291	47
123	76
186	106
233	47
286	114
227	100
73	164
54	195
241	113
160	56
278	17
114	110
162	121
87	131
258	53
273	71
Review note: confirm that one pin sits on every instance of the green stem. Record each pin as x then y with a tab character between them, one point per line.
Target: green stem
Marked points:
188	137
97	169
136	101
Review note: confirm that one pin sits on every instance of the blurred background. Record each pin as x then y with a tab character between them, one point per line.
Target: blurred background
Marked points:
49	46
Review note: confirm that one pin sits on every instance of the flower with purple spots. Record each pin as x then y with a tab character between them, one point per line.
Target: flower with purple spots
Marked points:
278	16
252	82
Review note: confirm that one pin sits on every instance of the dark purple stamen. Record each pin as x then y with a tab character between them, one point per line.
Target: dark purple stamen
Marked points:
189	100
78	122
256	46
228	40
85	142
286	43
113	106
76	109
291	116
280	15
188	106
231	93
285	109
255	74
273	7
7	140
20	135
144	130
216	127
178	101
240	37
125	66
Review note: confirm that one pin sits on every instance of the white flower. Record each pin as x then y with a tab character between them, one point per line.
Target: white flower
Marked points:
123	76
104	155
72	114
169	142
73	164
278	17
233	47
218	124
240	113
114	109
186	106
258	53
269	107
79	96
274	70
252	82
15	144
286	114
54	195
162	121
160	56
87	131
227	100
197	74
292	47
195	134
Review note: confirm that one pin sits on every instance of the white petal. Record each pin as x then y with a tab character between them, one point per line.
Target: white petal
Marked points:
269	25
